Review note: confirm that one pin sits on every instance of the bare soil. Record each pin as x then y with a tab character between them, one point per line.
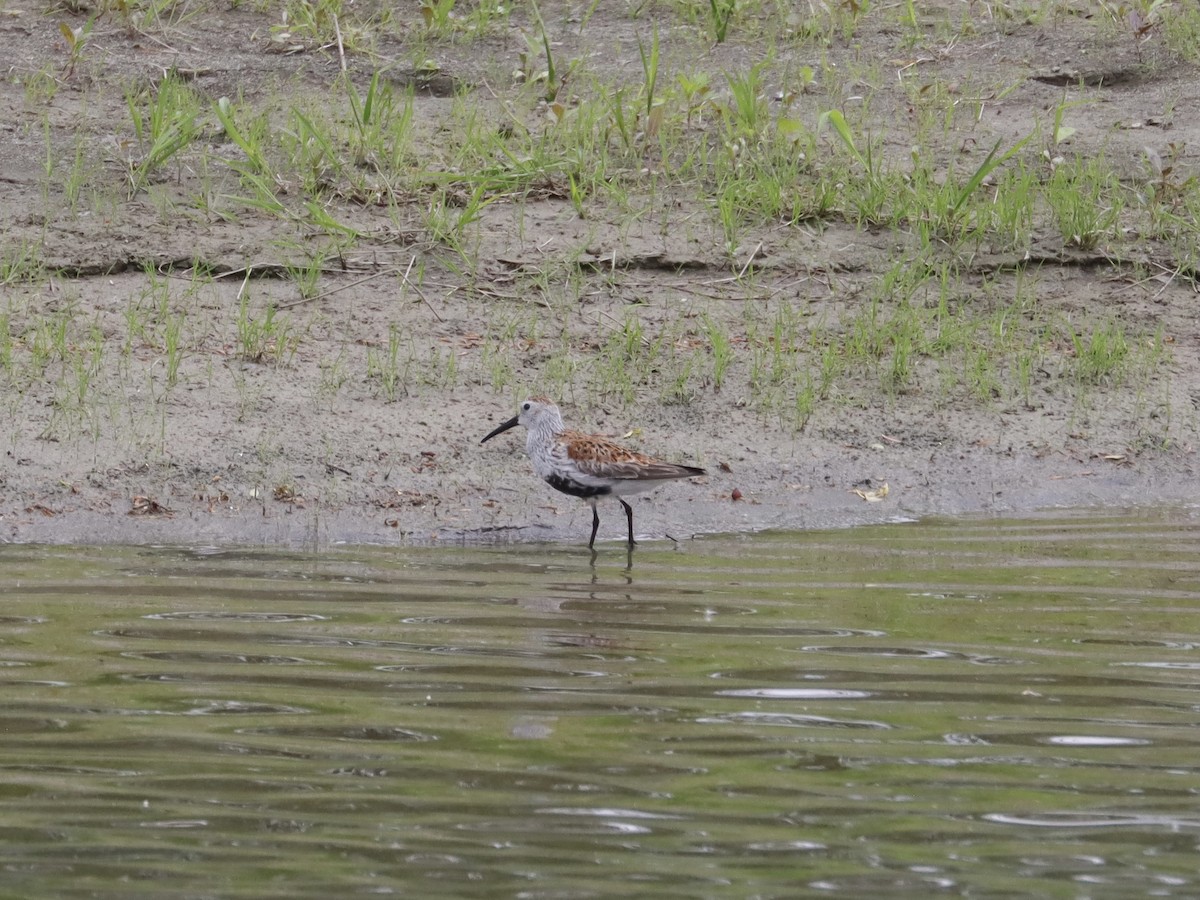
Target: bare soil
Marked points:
308	450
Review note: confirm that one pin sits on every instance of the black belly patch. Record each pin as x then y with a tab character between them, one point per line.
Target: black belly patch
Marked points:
574	488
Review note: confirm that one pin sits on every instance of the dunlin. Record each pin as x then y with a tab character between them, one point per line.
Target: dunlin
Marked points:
588	466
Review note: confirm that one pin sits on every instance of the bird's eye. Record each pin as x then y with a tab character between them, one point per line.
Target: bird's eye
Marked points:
525	407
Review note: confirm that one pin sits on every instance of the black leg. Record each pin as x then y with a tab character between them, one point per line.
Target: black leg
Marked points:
595	526
629	516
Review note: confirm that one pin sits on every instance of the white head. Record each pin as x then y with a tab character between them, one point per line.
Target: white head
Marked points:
538	414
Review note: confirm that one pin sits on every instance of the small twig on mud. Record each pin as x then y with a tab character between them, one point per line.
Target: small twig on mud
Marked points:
616	325
261	270
1168	277
420	293
499	295
753	254
729	279
1167	280
245	281
340	287
337	30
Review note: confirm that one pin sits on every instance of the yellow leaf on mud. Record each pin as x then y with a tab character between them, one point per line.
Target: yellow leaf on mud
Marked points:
874	496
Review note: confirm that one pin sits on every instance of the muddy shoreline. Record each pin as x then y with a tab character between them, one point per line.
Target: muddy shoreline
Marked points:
188	362
803	492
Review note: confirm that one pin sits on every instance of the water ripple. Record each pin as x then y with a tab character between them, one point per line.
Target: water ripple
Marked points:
789	721
1094	820
242	616
385	733
873	712
796	693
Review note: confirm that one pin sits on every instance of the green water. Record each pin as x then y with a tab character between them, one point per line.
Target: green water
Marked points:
984	709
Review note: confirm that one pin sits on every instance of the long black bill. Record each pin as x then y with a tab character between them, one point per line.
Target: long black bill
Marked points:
511	423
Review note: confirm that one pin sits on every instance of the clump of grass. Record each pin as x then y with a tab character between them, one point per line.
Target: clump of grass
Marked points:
958	211
620	365
680	387
21	263
164	123
981	375
79	174
792	367
381	125
693	88
77	42
720	14
650	64
1100	356
333	377
437	15
722	350
870	192
269	337
441	370
745	113
308	24
173	347
1181	27
1013	207
385	366
1085	197
304	268
251	135
550	76
48	341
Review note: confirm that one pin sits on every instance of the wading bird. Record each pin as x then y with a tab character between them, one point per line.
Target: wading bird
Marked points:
588	466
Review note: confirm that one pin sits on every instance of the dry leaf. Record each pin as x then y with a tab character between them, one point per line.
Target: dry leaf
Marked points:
148	506
874	496
286	493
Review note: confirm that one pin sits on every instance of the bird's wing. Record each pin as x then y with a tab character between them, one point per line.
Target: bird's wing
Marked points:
599	457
